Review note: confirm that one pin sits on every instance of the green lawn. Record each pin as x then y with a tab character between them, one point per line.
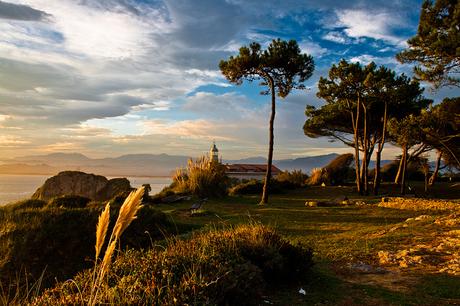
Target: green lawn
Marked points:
340	237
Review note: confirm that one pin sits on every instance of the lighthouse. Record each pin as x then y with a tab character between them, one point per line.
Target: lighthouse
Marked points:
214	153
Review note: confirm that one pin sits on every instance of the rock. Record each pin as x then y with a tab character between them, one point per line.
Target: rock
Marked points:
311	204
113	188
91	186
365	268
422	217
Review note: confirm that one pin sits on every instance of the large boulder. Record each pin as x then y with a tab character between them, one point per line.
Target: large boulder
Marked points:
113	188
94	187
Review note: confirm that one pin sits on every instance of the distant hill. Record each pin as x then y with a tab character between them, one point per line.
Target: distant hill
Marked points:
137	164
20	168
306	164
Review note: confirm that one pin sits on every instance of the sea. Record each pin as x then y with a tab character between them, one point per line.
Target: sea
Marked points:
18	187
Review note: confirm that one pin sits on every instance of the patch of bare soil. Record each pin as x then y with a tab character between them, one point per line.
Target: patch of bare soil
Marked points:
440	250
390	278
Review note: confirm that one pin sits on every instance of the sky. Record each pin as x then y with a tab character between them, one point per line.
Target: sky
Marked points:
112	77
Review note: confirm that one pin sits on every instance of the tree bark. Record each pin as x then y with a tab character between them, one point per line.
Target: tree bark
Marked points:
398	174
365	166
436	169
268	174
355	130
404	168
378	154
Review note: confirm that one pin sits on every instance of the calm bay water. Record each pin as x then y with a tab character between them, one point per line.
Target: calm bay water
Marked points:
18	187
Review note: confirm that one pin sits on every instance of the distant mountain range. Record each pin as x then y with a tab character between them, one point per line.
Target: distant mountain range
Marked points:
136	164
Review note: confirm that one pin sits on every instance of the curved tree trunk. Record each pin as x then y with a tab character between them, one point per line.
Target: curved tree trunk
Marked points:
268	174
398	174
355	130
378	154
404	168
436	169
366	156
378	158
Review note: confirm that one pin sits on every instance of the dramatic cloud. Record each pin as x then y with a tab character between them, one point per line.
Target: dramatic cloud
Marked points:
108	77
20	12
368	23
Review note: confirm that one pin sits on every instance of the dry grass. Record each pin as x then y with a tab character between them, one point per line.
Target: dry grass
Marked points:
126	215
101	229
221	266
316	177
201	177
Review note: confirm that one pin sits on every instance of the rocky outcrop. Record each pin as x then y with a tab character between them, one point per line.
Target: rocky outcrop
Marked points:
94	187
113	188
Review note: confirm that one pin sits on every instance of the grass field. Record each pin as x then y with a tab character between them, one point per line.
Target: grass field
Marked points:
346	241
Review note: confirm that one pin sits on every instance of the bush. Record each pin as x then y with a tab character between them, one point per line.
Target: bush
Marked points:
202	178
293	179
62	240
338	171
226	267
250	187
389	171
317	177
69	201
255	187
26	204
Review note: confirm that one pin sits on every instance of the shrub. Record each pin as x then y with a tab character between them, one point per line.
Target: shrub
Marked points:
202	178
338	171
293	179
317	177
26	204
69	201
249	187
62	240
225	267
255	187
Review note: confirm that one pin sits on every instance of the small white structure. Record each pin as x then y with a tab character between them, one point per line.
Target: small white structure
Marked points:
214	153
242	171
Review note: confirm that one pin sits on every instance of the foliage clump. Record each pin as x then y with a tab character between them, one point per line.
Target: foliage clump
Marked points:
294	178
202	177
62	240
69	201
338	171
282	183
26	204
230	266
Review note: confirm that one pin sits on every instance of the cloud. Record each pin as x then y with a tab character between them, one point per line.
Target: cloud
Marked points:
21	12
337	37
312	48
368	23
123	76
367	58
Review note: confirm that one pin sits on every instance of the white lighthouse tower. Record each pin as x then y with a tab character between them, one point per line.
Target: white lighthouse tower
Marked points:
214	153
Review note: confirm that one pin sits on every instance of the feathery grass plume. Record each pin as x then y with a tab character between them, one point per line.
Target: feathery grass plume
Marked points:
101	229
128	212
126	215
107	258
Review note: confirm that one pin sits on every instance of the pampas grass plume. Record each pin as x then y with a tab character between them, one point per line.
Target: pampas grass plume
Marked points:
128	212
101	229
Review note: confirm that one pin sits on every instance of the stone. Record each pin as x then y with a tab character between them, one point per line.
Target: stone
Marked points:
91	186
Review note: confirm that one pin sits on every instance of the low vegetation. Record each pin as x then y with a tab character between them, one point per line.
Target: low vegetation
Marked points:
37	237
337	172
236	256
229	266
202	178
